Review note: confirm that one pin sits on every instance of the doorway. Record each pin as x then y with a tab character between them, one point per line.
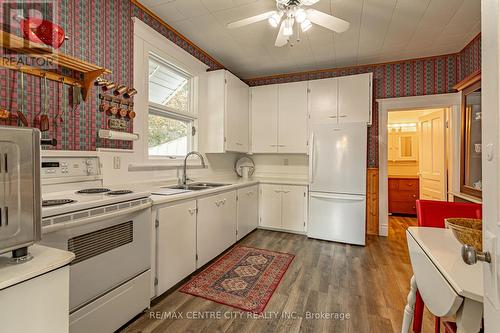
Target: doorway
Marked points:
450	103
416	161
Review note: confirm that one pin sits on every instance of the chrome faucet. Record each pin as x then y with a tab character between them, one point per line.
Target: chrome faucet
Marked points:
184	168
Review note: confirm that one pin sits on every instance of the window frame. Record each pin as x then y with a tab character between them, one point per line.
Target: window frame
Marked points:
165	111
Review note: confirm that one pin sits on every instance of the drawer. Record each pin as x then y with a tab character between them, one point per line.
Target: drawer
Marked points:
402	207
393	184
408	184
409	196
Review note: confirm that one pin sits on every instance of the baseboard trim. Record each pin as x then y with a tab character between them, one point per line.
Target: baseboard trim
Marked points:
383	230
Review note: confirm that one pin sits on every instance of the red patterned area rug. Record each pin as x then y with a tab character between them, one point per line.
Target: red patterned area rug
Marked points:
244	278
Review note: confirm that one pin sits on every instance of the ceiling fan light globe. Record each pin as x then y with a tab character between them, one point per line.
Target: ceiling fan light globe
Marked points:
275	19
300	15
305	25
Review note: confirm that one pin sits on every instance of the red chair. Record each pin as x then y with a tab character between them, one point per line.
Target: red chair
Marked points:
432	214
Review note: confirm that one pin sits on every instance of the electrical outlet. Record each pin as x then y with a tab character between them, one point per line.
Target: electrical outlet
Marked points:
116	162
285	161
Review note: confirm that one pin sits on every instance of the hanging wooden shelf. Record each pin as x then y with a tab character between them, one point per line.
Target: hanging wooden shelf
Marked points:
89	71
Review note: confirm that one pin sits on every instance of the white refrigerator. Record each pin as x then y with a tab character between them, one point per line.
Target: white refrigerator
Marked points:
337	182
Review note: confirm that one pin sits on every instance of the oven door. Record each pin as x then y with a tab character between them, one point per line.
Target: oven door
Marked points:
110	250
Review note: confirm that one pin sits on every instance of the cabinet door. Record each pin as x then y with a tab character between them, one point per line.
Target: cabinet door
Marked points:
211	106
236	114
270	205
176	244
216	229
248	210
292	117
293	214
323	101
264	114
355	98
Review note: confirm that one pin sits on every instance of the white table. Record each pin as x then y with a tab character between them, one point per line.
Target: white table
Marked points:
447	285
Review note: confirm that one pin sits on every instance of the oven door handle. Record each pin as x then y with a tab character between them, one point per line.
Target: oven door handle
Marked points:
88	220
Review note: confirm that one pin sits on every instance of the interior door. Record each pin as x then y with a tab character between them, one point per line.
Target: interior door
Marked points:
432	161
292	117
264	113
490	10
270	205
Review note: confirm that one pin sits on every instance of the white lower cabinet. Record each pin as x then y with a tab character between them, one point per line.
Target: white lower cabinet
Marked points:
216	227
248	210
188	234
270	206
293	208
176	244
283	207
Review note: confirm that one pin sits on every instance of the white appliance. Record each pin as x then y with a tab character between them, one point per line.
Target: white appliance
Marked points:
337	182
109	231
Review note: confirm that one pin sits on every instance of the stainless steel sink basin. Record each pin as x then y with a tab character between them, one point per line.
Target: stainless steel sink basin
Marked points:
197	186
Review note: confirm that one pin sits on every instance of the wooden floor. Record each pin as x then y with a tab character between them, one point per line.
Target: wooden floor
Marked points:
369	283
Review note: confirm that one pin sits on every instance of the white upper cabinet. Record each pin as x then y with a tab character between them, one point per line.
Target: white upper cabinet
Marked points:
346	99
264	114
292	117
355	98
224	111
279	118
323	100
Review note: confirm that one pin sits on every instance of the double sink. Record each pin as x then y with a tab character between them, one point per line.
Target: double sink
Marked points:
196	186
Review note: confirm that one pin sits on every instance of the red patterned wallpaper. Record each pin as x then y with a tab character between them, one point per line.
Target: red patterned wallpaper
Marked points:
414	77
100	32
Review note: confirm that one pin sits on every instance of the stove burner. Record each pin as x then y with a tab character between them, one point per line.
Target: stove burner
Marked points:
119	192
56	202
93	190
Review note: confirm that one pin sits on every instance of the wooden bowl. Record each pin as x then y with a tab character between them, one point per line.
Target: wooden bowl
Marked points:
467	231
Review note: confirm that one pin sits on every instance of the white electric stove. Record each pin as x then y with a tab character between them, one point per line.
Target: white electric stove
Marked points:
108	230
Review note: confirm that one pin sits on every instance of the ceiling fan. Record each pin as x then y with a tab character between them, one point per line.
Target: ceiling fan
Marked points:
290	12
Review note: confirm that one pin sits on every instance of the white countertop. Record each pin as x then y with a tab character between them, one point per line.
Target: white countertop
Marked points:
234	183
443	249
45	259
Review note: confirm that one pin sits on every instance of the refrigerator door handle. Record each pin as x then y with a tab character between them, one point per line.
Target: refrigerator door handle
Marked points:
311	159
338	196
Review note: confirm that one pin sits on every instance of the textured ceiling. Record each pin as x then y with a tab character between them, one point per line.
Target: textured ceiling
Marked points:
380	31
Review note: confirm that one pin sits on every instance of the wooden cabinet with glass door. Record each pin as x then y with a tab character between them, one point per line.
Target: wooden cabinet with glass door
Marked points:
470	142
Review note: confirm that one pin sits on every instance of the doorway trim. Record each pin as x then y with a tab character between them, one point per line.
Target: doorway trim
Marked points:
451	100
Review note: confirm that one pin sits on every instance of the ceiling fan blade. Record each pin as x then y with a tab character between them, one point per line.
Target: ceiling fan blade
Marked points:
281	39
308	2
327	21
250	20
